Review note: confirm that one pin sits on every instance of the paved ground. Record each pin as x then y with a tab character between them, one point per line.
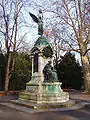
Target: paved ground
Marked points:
83	113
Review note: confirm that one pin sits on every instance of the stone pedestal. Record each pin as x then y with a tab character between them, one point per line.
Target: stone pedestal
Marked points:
44	93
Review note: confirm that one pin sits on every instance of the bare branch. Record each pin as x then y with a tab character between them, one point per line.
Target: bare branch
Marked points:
74	27
21	40
88	36
77	15
2	32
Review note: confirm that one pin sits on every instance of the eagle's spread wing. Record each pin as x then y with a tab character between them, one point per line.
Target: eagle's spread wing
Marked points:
35	19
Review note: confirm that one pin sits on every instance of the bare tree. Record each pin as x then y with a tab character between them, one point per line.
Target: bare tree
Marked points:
81	28
55	34
9	28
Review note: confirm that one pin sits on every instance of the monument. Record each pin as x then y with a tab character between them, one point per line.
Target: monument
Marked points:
44	86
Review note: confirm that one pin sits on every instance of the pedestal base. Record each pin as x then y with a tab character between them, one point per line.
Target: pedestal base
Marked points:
44	93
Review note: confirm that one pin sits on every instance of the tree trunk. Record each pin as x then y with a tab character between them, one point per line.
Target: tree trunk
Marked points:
7	73
86	72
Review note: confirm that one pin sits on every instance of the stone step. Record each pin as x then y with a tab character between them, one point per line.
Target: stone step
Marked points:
27	107
18	107
32	105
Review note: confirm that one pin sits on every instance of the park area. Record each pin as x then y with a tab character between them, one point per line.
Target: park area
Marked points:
44	60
